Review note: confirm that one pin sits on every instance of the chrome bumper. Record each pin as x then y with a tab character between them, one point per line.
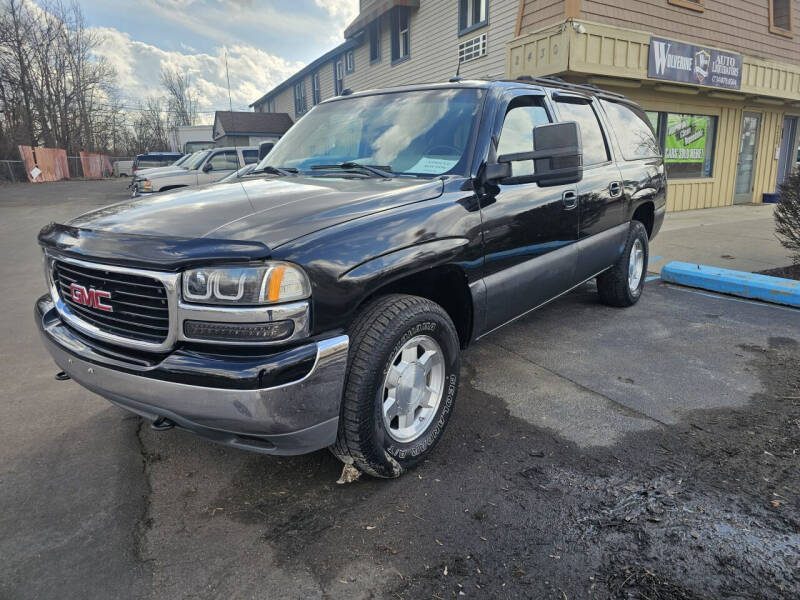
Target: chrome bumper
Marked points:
292	418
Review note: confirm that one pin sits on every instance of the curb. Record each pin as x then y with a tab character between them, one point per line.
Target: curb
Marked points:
736	283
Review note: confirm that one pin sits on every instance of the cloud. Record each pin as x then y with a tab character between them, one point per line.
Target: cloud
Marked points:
341	13
138	65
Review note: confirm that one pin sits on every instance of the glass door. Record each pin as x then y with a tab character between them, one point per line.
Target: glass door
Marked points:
746	167
789	154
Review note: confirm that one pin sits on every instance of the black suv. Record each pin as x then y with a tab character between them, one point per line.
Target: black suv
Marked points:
322	299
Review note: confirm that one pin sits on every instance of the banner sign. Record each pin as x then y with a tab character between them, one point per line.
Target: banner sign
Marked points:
686	138
687	63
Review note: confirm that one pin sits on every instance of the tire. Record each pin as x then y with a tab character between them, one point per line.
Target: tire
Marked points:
395	328
622	285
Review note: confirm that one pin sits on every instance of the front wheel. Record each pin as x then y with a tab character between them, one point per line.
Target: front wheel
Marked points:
623	283
401	384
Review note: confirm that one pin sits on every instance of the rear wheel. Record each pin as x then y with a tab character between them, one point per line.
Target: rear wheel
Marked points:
622	285
400	387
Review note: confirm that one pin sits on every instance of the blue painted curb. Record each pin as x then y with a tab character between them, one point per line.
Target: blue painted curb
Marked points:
737	283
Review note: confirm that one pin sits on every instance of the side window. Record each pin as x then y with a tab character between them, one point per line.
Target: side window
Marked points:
224	161
594	144
250	156
516	135
633	132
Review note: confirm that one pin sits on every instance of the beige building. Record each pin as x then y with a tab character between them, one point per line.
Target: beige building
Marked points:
727	139
399	42
720	79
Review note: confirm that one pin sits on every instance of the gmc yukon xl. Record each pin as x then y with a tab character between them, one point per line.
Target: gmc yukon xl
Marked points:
322	300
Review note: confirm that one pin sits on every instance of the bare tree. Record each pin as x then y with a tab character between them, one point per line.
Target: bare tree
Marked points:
181	103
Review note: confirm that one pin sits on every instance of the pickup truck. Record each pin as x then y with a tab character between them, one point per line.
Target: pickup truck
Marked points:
322	300
206	166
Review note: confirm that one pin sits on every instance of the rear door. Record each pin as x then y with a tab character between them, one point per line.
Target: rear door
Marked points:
529	231
601	197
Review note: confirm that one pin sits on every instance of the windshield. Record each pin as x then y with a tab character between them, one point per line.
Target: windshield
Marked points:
424	132
196	161
183	159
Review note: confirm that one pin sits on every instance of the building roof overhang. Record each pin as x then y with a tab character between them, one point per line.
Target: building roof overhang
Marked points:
373	12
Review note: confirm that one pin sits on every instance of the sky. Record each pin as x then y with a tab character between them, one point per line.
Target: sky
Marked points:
266	41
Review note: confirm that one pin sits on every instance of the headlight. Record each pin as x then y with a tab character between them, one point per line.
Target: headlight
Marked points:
145	185
246	286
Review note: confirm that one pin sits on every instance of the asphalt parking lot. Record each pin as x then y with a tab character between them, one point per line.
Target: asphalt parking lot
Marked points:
650	452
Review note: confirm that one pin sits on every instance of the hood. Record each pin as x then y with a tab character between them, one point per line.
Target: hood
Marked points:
271	211
151	170
161	172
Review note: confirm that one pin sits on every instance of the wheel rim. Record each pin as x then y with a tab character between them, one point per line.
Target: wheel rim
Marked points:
413	388
635	266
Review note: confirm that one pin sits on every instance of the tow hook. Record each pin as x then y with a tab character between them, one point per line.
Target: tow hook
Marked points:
162	424
62	376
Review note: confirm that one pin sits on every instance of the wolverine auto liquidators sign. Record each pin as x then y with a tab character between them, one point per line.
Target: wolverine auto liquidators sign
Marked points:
687	63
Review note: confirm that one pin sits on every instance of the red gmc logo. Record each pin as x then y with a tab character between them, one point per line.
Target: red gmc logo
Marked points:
92	298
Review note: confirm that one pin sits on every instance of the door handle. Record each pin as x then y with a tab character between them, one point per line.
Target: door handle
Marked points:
570	199
615	188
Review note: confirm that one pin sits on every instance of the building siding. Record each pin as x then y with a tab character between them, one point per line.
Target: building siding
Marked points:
741	25
538	13
434	47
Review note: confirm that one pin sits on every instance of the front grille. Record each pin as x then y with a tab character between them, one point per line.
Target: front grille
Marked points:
140	310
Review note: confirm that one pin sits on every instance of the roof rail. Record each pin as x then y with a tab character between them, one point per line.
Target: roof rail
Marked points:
558	81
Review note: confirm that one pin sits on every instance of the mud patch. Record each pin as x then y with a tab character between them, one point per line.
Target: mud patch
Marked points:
705	508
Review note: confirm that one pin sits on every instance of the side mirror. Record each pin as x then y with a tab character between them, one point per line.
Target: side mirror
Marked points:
207	167
264	149
557	157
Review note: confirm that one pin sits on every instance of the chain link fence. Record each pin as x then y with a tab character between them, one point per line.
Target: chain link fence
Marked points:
13	171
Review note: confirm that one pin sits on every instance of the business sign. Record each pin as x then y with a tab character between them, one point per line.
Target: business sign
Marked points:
686	138
687	63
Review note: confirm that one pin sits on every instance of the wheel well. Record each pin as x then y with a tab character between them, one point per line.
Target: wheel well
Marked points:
171	187
447	286
646	215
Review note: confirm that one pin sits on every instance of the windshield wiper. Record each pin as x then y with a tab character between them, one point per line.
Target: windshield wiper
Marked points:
380	171
274	170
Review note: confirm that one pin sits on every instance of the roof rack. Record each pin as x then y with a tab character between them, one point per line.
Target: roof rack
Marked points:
559	82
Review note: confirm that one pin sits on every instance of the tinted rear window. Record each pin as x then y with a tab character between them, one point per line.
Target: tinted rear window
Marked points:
633	131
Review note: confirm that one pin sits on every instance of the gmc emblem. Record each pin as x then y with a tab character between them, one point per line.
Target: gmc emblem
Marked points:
92	298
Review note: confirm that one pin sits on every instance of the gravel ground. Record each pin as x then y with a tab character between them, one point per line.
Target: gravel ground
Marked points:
644	453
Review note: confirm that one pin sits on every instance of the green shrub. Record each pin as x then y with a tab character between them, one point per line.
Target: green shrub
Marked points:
787	214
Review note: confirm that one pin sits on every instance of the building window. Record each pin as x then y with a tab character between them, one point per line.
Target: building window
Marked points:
780	17
375	41
299	98
316	91
472	14
401	34
698	5
338	77
349	62
688	143
474	48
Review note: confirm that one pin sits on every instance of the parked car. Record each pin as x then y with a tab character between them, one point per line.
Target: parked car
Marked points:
181	163
155	159
323	300
206	166
123	168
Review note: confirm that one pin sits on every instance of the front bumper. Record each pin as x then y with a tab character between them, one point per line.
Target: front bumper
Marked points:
286	402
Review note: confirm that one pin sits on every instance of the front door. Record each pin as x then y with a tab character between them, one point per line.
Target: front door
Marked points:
223	162
530	232
746	166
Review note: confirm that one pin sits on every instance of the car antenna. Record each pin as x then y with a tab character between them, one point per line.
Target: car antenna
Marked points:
456	78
